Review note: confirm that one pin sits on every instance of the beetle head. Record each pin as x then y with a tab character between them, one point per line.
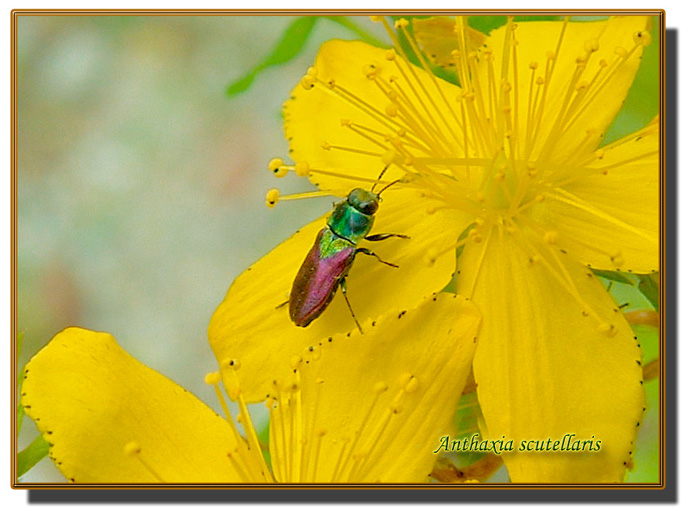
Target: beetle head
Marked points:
364	201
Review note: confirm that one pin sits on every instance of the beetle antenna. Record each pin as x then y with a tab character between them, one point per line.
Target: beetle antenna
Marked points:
388	186
379	178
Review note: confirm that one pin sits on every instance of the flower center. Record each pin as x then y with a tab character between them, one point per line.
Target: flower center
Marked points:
504	140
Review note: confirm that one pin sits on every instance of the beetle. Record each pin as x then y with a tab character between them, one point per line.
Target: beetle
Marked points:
327	264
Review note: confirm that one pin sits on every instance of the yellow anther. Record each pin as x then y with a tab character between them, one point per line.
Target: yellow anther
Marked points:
391	157
380	387
390	54
603	63
370	70
404	379
312	72
395	141
346	122
307	82
551	237
132	449
302	168
592	45
295	361
326	146
396	408
269	403
321	432
608	330
212	378
272	197
539	198
392	110
276	165
617	260
401	23
375	18
232	363
411	386
539	81
642	37
534	65
600	154
583	84
621	51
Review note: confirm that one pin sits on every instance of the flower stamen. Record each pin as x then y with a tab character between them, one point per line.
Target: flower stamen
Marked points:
133	450
230	367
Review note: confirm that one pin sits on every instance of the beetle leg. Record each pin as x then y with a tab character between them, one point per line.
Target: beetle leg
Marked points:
345	294
372	253
384	236
282	304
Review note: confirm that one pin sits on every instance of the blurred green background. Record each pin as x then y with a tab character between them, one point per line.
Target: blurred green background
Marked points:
141	184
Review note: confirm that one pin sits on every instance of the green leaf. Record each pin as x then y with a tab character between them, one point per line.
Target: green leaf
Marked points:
31	455
649	287
615	276
288	47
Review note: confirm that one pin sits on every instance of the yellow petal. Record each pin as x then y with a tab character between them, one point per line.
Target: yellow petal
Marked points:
109	418
609	218
373	408
555	357
251	327
316	120
567	115
438	40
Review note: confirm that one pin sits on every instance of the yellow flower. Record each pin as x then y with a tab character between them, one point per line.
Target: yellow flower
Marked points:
506	188
343	415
